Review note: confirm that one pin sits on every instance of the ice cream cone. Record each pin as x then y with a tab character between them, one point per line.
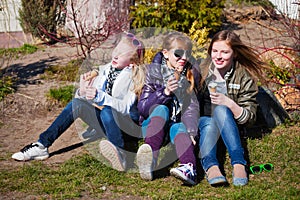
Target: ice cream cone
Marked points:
177	75
93	74
212	87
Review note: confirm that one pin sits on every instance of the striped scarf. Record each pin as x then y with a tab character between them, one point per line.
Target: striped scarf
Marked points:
112	75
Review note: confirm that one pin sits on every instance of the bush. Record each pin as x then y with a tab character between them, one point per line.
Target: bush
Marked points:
40	17
177	15
278	74
149	55
200	37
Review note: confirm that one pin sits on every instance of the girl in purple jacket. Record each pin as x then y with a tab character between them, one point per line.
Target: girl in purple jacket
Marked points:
169	109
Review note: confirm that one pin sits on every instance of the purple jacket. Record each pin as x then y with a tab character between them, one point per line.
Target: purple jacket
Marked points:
153	94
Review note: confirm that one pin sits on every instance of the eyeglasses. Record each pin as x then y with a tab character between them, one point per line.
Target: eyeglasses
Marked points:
257	169
135	42
179	53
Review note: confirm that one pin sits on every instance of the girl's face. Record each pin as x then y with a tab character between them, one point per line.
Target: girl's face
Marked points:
177	56
122	54
222	55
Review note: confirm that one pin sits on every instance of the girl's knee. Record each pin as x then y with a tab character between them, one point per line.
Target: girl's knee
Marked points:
176	129
161	111
205	121
222	110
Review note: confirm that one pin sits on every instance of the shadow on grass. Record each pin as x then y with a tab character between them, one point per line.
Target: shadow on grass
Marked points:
269	114
75	146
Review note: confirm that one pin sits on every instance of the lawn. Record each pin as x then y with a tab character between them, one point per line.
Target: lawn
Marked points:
85	177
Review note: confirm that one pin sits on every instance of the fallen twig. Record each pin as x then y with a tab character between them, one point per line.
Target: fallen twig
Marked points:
24	95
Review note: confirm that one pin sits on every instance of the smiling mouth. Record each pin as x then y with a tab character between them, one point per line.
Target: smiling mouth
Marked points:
181	63
219	62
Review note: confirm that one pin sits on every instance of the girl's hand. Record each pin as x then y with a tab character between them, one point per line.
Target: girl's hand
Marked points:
193	140
82	85
172	85
86	80
90	92
219	99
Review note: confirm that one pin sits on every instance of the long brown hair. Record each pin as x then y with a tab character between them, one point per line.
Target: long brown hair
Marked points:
243	54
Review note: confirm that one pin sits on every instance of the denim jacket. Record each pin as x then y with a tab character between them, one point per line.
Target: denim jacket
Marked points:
153	94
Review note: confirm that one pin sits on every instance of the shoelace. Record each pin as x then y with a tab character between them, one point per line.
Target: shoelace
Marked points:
188	167
29	146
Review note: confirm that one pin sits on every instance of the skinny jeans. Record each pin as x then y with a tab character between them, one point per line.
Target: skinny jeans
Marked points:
222	123
103	121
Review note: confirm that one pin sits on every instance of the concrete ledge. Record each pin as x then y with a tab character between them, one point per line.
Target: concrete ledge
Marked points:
14	39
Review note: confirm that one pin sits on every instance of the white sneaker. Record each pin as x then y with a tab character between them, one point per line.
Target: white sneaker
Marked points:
113	155
33	151
145	161
186	173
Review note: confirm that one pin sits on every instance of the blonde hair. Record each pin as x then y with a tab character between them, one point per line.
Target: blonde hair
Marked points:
137	59
167	44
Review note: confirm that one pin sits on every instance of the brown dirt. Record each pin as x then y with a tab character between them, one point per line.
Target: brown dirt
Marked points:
26	113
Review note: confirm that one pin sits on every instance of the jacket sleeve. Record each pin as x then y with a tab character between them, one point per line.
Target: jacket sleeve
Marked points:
247	100
121	105
152	94
158	58
191	116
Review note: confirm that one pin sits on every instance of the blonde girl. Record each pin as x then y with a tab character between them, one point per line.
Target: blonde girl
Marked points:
115	90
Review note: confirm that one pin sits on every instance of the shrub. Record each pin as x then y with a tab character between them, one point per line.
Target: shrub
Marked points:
253	2
278	74
200	37
149	55
40	17
177	15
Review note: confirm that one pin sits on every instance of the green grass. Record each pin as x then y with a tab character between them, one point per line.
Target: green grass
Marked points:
7	82
68	72
85	176
15	52
6	86
61	95
65	73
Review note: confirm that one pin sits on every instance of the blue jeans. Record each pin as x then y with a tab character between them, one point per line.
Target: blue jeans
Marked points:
105	120
221	123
